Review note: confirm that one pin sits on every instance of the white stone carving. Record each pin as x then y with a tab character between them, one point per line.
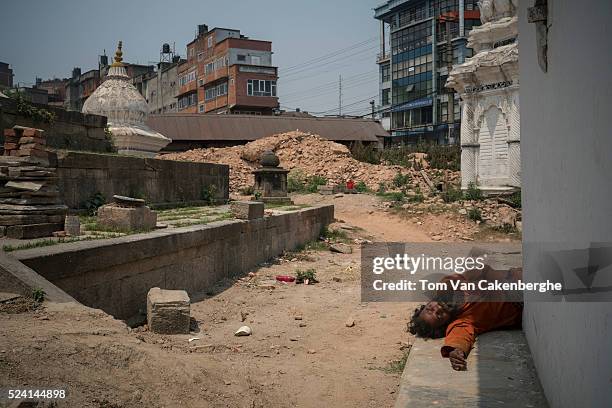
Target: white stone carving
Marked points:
126	110
488	84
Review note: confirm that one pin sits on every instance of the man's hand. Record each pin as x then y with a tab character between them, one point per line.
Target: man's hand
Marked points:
457	360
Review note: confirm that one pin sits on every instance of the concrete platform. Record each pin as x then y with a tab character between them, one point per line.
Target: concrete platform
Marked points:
500	374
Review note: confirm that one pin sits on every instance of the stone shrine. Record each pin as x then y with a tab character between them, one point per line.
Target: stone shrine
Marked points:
126	110
271	180
127	214
489	87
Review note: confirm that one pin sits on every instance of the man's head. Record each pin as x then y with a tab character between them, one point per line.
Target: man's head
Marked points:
431	319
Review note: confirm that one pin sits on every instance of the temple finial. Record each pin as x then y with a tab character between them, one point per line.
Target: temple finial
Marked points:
118	56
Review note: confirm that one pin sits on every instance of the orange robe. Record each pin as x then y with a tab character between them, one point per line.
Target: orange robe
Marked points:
476	318
480	317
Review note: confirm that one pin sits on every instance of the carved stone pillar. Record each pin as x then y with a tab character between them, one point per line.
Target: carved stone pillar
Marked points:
514	144
469	145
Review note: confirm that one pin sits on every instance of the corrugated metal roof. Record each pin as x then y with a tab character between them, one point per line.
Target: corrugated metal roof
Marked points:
184	126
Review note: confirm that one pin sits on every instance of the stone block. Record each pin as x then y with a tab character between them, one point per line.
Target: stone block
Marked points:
33	230
247	210
127	218
72	225
168	311
326	190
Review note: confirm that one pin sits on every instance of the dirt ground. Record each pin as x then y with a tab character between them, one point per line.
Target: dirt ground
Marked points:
302	351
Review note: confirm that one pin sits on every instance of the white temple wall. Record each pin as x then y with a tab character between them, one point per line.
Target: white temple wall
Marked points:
567	191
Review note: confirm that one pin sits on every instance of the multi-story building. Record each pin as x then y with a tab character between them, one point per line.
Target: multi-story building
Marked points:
56	90
88	83
81	85
6	76
226	72
72	99
161	88
33	95
425	38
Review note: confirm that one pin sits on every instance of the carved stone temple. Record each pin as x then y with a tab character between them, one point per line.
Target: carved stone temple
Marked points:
489	87
126	110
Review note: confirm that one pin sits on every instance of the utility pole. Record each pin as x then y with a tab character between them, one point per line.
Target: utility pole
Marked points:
340	95
372	105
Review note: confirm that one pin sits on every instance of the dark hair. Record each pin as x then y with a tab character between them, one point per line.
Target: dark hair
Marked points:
418	327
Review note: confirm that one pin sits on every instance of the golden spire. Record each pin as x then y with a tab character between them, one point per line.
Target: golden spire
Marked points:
118	56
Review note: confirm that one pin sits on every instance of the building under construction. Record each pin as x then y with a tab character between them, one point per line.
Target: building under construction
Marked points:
420	41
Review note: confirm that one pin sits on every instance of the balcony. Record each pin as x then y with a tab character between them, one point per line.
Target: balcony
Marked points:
383	57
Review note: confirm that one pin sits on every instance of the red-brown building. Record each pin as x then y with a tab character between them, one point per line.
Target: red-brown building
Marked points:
226	72
56	90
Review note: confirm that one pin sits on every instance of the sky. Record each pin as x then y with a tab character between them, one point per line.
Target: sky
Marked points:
313	41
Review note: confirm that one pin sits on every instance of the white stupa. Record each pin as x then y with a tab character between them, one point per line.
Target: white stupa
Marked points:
126	110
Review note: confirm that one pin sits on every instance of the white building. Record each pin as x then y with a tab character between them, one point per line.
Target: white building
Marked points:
489	87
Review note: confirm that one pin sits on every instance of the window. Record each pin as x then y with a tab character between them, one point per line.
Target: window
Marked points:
189	77
385	96
259	87
214	91
241	58
385	71
414	117
444	6
222	89
215	65
255	60
201	108
411	38
200	56
412	14
471	5
187	100
210	41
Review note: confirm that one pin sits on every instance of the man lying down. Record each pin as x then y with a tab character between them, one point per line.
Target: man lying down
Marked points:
460	316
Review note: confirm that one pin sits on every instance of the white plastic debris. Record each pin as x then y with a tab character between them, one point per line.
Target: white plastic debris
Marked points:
243	331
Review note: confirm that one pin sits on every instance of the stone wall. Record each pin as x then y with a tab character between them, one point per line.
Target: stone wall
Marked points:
115	275
83	175
70	130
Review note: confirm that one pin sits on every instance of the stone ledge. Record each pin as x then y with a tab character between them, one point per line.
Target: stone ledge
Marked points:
51	261
17	277
500	374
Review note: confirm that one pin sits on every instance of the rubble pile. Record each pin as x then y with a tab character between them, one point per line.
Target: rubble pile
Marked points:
492	212
309	153
30	206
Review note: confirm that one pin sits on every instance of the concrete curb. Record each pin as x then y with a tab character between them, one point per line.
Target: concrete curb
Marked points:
500	374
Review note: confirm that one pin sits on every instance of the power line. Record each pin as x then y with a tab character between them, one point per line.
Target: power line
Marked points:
348	79
338	58
403	103
332	69
329	55
325	93
345	106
